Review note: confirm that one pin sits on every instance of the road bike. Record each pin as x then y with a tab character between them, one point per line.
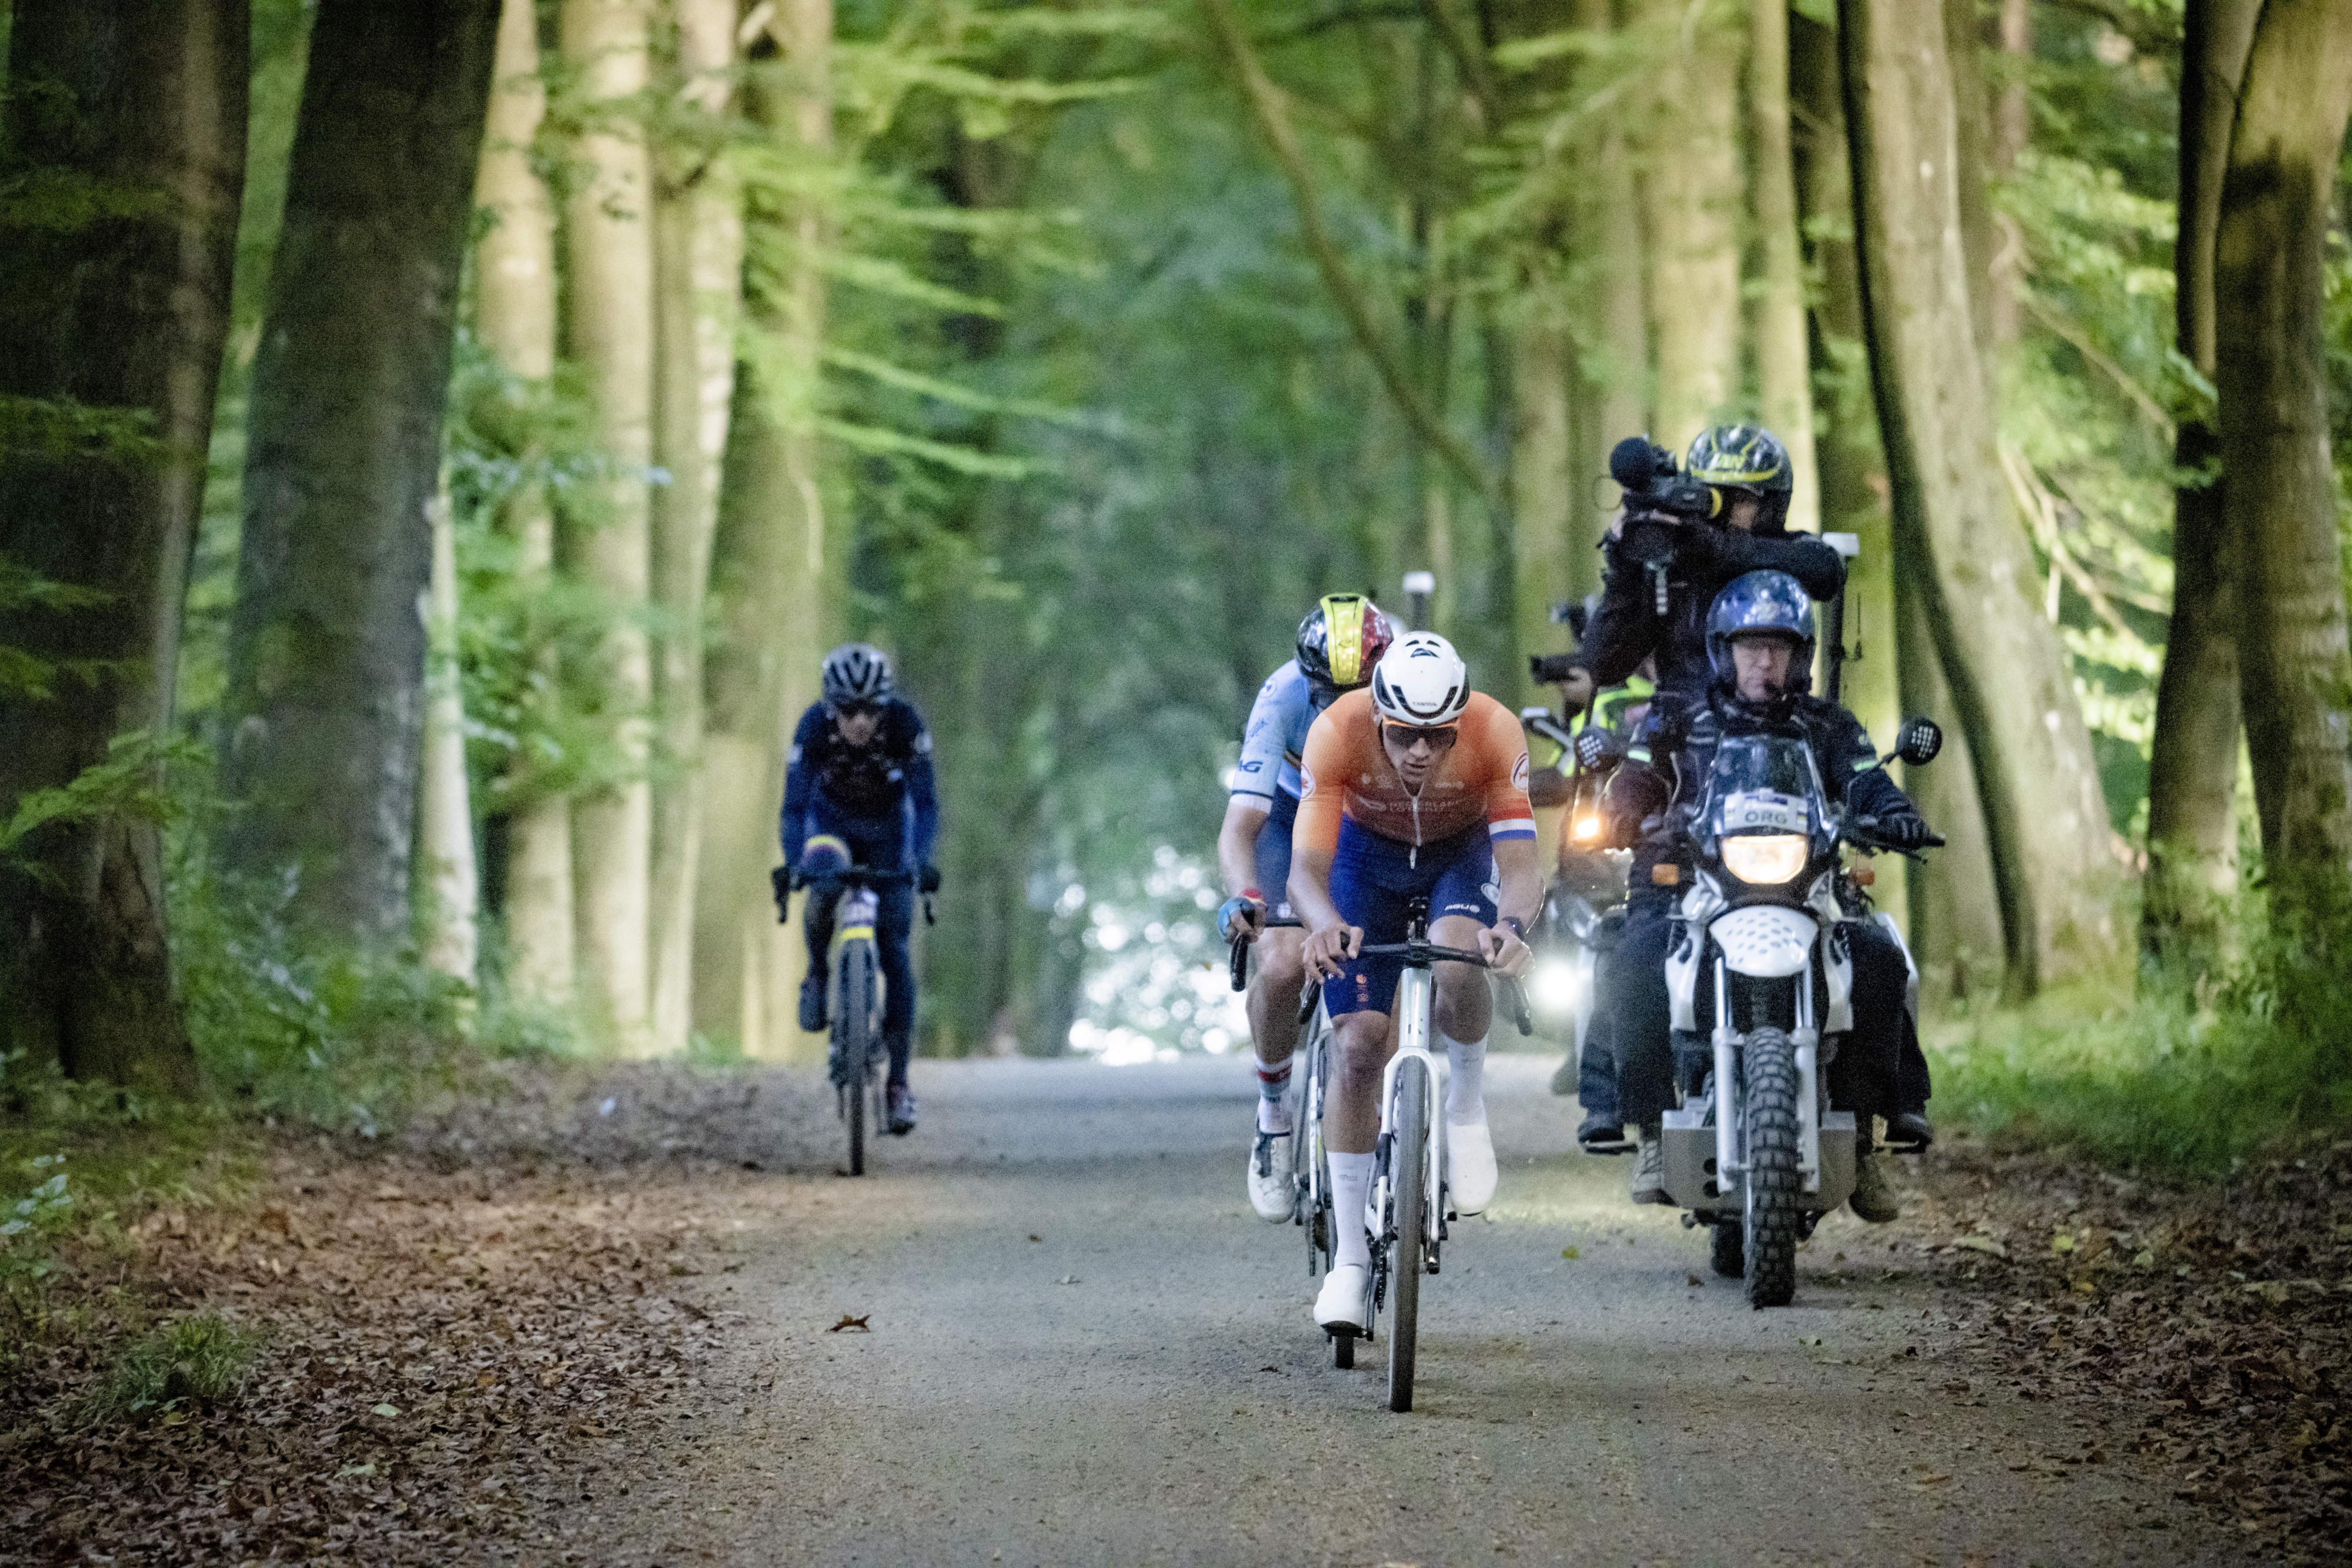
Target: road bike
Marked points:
1406	1214
857	1054
1310	1202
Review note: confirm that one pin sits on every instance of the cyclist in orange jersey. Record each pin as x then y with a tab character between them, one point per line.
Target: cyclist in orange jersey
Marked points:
1415	789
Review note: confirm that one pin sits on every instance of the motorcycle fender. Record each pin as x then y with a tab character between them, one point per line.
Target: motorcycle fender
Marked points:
1682	975
1837	974
1910	966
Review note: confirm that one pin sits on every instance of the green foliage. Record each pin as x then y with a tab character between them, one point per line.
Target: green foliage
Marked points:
130	783
193	1360
2181	1081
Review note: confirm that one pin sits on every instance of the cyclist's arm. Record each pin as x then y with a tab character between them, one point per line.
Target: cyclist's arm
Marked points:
791	824
1314	840
1521	876
1246	818
922	793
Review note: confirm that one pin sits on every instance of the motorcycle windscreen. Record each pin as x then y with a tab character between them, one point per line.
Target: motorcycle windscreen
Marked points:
1763	806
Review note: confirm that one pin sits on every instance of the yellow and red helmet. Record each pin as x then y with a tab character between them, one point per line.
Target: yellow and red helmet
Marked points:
1340	640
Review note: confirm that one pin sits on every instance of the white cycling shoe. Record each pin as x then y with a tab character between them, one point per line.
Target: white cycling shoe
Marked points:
1344	1301
1272	1192
1470	1174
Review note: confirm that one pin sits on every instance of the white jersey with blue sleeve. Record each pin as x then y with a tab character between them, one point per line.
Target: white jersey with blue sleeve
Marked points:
1279	722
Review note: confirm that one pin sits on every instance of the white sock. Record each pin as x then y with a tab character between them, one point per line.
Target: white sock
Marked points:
1274	1097
1466	1093
1351	1187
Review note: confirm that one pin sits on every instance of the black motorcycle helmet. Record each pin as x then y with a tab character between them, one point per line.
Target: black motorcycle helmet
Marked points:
1749	459
1339	642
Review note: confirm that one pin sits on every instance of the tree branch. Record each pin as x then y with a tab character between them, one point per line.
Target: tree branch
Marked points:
1469	58
1272	112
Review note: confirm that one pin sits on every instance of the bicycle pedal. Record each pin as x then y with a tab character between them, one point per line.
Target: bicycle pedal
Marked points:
1621	1149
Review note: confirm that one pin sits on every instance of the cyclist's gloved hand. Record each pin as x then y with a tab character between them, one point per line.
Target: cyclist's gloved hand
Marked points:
1240	913
780	882
1904	829
927	879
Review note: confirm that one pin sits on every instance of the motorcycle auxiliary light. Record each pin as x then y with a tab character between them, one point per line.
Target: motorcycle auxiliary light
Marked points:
1766	859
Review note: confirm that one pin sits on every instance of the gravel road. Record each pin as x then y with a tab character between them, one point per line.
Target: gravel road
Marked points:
1080	1346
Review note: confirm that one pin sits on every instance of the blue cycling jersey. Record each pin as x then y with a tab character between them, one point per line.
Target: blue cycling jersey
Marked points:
1279	722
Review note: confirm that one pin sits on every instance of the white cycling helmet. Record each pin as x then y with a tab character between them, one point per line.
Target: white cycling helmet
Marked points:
856	672
1420	681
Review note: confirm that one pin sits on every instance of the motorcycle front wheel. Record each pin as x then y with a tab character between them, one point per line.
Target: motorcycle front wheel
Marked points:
1769	1107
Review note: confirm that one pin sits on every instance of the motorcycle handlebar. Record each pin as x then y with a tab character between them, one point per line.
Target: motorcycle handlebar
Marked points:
1864	833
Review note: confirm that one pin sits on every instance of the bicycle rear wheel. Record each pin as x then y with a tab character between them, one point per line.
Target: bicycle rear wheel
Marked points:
853	991
1409	1181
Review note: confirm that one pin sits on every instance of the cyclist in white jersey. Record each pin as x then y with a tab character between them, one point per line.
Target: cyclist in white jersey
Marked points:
1339	642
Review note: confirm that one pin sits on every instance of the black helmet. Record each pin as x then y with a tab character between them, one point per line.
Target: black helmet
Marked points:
1757	603
1340	642
856	672
1750	458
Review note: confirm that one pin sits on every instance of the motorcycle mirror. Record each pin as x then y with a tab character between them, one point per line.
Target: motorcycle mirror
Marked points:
1919	743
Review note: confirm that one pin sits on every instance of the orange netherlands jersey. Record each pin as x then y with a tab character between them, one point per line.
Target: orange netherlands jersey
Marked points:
1346	771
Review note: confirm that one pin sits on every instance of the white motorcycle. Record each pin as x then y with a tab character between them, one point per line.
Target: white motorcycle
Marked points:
1761	952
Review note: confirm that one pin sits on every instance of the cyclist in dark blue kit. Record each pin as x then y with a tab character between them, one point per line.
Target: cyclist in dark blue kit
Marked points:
859	775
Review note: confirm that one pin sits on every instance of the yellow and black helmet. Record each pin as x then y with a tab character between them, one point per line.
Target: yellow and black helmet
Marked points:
1340	640
1746	458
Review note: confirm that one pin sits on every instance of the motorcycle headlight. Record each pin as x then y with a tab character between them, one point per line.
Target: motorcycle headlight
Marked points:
1556	986
1765	860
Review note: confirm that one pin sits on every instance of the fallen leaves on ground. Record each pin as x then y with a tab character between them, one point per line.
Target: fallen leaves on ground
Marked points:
455	1364
2221	1319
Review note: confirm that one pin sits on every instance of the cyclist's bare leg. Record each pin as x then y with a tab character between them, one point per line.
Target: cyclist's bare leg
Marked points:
1274	1019
1465	1010
1362	1044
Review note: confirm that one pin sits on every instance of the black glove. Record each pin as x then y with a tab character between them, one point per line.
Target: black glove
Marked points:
1907	830
783	884
1597	749
927	879
1229	915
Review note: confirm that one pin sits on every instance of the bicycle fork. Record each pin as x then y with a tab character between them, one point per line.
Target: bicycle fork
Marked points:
1413	1002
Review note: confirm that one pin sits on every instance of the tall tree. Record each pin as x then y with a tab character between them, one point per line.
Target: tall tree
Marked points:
1783	376
2010	686
1612	387
2279	508
448	880
140	107
1691	198
515	315
774	611
326	649
608	253
699	238
2193	763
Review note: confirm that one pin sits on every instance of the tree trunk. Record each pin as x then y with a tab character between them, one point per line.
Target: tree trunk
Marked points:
1957	932
770	574
1783	378
1543	486
1973	139
449	883
699	233
326	648
2279	509
2011	691
1610	392
1691	197
2192	832
515	311
124	313
2012	126
609	331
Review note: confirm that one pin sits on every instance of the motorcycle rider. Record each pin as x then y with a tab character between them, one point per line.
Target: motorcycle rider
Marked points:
1748	468
1759	641
1339	642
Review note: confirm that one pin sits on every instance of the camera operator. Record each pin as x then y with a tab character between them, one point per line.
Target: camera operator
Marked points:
1679	539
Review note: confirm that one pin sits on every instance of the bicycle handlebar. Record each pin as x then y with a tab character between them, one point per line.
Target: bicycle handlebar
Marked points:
1421	955
1237	963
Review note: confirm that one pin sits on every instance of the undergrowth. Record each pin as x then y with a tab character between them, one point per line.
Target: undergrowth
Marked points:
196	1360
2185	1079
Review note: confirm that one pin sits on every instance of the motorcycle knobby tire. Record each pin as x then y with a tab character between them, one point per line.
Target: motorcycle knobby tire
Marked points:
1770	1113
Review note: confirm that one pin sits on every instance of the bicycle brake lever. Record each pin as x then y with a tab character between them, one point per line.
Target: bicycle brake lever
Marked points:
1239	966
1520	1013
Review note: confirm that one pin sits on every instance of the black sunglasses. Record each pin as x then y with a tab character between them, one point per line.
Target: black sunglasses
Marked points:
1441	736
858	708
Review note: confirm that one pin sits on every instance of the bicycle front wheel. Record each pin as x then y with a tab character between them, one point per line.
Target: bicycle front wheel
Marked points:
1407	1180
852	1019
